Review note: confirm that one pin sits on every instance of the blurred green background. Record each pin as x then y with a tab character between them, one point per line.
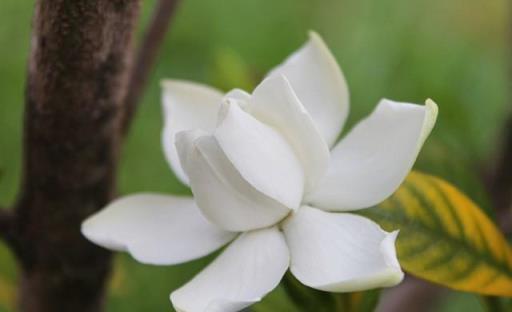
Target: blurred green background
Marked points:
454	52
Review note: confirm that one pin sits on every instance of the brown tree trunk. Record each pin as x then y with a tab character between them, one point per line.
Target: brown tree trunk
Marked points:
77	77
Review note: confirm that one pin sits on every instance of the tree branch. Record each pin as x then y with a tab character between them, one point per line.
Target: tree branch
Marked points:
498	179
146	57
497	176
80	98
5	220
6	224
77	81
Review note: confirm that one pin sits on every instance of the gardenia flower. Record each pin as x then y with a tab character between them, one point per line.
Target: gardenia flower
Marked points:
268	176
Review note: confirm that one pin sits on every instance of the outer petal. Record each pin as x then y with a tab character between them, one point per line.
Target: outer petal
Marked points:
221	192
247	270
261	155
274	102
187	105
370	163
340	252
319	83
155	229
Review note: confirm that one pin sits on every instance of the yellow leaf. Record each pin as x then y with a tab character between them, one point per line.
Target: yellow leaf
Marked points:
445	237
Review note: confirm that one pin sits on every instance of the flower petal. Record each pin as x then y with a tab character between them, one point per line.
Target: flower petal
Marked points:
223	195
237	94
155	229
261	155
187	105
371	162
340	252
320	86
274	102
246	271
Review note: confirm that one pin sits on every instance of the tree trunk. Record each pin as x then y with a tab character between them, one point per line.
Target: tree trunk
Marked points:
77	79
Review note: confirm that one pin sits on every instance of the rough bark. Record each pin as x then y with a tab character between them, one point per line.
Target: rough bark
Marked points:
77	79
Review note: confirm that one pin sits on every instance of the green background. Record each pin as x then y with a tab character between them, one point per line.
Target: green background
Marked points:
451	51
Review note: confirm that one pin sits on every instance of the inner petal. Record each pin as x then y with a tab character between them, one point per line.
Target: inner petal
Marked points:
224	196
261	155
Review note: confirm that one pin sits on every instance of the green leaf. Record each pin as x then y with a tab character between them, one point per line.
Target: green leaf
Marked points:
276	300
308	299
445	238
363	301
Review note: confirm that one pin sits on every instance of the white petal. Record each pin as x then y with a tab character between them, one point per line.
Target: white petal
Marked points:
238	94
261	155
371	162
246	271
319	83
187	105
340	252
274	102
155	229
222	194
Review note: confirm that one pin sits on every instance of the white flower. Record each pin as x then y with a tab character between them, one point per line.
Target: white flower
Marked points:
266	174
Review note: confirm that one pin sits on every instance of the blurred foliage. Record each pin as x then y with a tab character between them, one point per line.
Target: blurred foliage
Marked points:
451	51
445	238
308	299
